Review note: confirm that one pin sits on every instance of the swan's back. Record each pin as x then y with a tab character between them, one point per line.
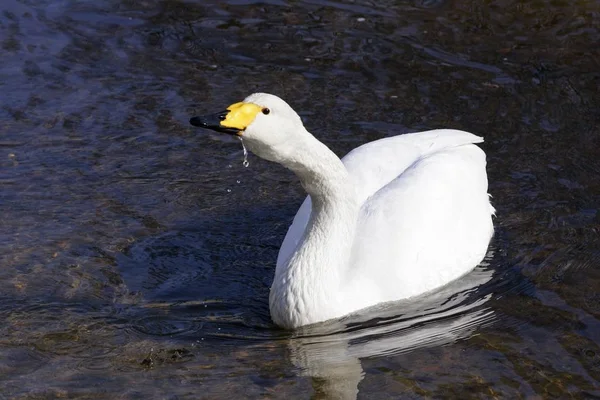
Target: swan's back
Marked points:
375	164
416	192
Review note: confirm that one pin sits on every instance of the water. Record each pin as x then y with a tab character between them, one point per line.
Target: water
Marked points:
134	265
245	163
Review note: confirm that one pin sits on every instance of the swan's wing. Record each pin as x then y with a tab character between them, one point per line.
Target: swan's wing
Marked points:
376	164
428	226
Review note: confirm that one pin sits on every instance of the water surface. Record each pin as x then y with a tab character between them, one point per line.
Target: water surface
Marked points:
136	253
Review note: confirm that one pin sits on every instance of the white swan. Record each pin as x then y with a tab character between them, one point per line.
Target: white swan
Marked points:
395	218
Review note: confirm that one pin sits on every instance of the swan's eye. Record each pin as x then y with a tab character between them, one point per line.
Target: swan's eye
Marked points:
266	111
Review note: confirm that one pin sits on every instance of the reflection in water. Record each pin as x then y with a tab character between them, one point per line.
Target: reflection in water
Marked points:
336	362
331	352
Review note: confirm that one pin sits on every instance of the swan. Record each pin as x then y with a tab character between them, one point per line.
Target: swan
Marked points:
393	219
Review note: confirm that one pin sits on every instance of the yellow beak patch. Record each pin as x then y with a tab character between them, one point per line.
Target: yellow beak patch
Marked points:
241	115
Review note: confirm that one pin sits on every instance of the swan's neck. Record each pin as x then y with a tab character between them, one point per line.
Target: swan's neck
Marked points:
306	286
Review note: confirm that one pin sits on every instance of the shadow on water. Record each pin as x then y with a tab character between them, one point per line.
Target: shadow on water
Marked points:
136	253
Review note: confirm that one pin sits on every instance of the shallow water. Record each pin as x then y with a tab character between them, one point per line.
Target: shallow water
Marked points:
137	252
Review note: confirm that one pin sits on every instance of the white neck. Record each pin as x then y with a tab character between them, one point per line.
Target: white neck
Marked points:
307	285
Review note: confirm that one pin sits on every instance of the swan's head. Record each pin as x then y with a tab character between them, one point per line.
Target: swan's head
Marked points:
270	128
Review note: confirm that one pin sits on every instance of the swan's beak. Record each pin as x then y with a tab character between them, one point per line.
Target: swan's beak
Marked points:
214	122
233	121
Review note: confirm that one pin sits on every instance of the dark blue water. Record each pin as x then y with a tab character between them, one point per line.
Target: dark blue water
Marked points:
136	253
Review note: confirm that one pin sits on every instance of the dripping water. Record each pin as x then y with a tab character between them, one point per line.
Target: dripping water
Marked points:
245	163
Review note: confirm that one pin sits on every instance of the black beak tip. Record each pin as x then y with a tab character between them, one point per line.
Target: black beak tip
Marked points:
213	122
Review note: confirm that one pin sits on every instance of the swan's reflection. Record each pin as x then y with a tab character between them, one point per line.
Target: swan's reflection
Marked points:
330	353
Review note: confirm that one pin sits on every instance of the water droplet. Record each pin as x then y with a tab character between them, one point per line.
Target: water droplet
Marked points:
228	190
238	181
245	163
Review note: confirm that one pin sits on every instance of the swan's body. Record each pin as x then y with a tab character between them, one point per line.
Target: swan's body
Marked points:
395	218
